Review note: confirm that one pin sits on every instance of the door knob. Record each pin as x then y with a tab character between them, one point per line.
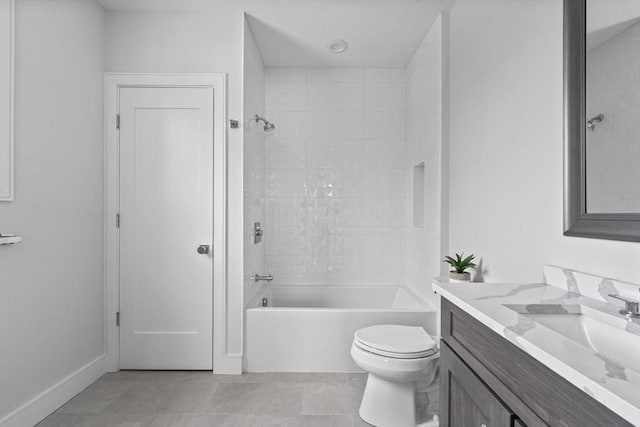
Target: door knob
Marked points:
203	249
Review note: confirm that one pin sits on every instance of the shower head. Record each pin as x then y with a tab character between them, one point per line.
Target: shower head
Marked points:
268	126
591	123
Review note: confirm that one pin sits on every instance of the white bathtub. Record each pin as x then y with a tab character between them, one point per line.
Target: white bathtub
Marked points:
310	328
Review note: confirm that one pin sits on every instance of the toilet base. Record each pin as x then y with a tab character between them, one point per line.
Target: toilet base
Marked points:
388	404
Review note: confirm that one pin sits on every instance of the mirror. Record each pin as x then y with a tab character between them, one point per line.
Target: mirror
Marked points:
6	99
613	106
602	119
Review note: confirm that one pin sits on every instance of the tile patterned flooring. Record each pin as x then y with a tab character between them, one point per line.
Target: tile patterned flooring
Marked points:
195	399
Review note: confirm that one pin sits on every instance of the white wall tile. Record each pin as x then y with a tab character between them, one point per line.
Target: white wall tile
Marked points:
290	126
383	75
288	183
285	241
383	241
324	212
384	155
381	212
285	75
335	126
285	96
286	270
385	96
326	182
253	161
335	96
384	126
354	213
382	270
332	154
285	155
285	212
423	140
353	195
392	183
335	75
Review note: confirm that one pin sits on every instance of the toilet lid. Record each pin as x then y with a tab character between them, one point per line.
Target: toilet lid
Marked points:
397	341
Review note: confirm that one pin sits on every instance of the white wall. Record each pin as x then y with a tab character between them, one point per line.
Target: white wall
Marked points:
426	144
254	160
207	40
51	308
335	188
613	148
506	145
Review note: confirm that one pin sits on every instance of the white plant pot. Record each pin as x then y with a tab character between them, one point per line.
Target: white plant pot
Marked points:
459	277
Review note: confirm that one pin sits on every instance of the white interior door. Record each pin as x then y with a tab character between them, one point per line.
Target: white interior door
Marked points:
166	202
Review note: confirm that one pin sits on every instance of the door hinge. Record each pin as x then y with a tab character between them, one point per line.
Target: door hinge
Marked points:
118	318
117	219
117	121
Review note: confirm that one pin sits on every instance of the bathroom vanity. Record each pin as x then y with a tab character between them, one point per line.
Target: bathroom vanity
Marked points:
512	355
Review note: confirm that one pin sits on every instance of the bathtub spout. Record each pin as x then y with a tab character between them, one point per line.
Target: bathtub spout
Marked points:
266	278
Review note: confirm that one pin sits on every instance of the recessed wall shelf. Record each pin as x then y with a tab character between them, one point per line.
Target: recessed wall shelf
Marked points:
9	239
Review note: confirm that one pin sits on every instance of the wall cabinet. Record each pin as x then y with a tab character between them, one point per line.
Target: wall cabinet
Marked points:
487	381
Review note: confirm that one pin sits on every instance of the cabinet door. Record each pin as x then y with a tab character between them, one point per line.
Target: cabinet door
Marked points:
465	401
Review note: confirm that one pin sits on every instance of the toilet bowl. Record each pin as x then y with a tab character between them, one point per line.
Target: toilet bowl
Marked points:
396	358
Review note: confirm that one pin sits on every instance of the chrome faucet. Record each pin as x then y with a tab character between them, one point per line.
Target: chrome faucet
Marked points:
631	306
266	278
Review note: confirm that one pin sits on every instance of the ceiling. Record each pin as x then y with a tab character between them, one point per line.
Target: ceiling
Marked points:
606	19
598	37
379	33
296	33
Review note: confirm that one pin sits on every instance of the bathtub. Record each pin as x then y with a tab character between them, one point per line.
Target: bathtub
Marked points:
310	328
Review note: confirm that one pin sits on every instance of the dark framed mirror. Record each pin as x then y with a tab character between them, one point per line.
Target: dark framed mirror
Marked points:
602	119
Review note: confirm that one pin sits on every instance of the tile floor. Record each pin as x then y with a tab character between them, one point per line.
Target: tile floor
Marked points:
189	399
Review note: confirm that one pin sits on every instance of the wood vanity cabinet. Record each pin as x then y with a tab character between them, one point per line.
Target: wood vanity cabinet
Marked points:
470	401
487	381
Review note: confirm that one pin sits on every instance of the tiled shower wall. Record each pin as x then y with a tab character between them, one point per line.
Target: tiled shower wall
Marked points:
335	191
613	149
253	156
426	137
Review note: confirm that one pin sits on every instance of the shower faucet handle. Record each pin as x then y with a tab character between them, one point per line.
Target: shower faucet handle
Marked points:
266	278
631	306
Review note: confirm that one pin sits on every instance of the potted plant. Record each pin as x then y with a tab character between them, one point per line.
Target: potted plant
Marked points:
459	265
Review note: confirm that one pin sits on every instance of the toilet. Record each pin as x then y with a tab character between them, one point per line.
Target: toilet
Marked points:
397	358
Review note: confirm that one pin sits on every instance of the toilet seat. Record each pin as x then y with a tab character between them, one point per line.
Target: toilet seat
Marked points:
397	358
396	341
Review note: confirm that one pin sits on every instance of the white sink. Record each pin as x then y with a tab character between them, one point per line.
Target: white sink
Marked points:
605	334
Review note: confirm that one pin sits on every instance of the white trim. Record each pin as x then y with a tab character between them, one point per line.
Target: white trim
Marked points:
222	361
45	403
12	41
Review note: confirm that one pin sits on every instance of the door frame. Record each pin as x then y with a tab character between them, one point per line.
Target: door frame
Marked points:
113	83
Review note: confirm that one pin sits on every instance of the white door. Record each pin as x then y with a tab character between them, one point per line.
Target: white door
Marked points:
166	202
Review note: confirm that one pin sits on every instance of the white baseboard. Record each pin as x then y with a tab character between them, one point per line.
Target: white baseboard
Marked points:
45	403
228	365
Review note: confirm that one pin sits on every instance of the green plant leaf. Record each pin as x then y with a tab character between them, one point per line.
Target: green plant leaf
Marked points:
469	258
459	263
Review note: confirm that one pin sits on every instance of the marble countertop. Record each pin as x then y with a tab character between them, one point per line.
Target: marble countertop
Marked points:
611	383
